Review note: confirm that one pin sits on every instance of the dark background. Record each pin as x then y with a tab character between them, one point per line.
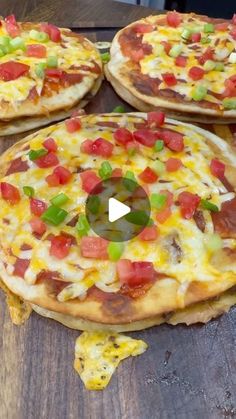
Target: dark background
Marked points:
215	8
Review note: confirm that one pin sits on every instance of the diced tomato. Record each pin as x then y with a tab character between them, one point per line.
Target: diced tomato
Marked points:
48	160
73	124
148	176
10	193
89	180
167	46
60	176
143	28
155	119
196	73
173	19
60	246
36	50
233	33
38	226
94	247
181	61
50	144
87	147
53	180
54	73
12	70
230	87
135	274
233	20
63	174
12	26
103	147
169	195
143	272
99	147
163	215
123	136
217	168
169	79
173	140
20	267
188	204
37	207
172	164
53	32
196	37
125	271
149	233
207	55
221	26
145	137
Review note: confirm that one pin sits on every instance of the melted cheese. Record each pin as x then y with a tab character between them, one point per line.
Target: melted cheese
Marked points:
98	354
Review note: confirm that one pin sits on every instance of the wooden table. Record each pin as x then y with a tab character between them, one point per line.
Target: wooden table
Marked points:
187	373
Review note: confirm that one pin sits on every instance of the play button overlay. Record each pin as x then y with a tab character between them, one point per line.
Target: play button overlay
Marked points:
118	209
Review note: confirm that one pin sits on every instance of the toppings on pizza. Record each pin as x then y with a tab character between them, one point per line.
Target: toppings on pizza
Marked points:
45	190
179	59
39	61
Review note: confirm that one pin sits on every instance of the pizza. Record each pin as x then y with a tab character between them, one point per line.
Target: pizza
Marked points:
51	258
184	64
45	72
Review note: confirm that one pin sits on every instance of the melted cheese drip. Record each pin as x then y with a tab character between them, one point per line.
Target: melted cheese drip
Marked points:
159	62
98	354
194	177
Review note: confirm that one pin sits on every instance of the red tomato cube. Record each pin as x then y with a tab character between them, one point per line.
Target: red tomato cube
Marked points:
169	79
50	144
37	207
148	176
94	247
172	164
149	233
155	119
217	168
60	246
10	193
73	125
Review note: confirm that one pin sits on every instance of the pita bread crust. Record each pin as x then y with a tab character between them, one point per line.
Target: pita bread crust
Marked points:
119	72
196	313
16	126
161	298
67	97
142	106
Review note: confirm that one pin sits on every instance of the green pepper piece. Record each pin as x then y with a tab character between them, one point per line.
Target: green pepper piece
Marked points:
54	215
59	200
35	154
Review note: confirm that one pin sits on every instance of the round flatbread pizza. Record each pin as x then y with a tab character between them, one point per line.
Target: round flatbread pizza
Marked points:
182	63
51	256
44	72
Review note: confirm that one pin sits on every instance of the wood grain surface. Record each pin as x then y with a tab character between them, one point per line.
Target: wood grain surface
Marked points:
187	372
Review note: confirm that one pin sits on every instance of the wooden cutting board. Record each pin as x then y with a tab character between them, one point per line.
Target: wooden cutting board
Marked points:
187	372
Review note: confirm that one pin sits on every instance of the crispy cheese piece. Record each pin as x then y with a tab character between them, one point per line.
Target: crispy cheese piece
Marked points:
98	354
19	310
